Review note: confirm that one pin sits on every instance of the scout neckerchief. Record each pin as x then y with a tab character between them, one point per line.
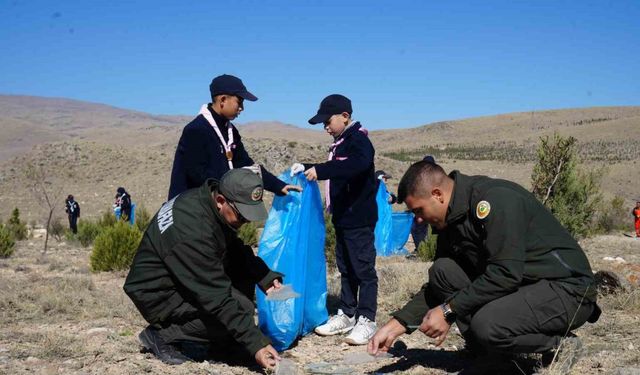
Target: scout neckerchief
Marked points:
332	151
204	111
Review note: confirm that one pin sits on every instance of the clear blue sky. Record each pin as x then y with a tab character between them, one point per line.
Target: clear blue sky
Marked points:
403	63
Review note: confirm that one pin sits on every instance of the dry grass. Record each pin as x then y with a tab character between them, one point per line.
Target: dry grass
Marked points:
55	319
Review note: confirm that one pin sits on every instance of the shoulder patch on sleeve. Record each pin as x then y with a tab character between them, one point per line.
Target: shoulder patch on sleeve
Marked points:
482	209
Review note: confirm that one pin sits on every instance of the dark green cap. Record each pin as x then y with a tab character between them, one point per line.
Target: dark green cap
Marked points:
244	189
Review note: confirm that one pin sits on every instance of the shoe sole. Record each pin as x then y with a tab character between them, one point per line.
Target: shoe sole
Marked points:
344	330
354	342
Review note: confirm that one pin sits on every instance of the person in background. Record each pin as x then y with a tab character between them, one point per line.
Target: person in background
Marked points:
636	215
123	200
72	208
384	177
210	144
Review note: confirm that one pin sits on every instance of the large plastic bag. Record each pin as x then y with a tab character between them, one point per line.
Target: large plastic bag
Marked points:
392	228
132	219
293	243
401	224
384	226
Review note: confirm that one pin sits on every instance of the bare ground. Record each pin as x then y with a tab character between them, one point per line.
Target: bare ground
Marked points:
56	317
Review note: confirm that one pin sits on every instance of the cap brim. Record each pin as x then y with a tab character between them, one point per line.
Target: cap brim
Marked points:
252	212
319	118
246	95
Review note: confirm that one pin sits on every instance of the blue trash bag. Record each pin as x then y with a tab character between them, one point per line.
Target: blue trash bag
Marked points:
132	219
393	228
401	228
293	243
384	226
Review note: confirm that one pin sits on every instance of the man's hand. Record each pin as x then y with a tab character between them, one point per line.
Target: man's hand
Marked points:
435	325
311	174
274	286
296	168
267	357
285	190
385	336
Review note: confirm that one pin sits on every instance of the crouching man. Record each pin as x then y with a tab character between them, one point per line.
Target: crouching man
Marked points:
506	271
193	279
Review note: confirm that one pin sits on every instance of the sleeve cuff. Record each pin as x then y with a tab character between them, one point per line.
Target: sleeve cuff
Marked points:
268	279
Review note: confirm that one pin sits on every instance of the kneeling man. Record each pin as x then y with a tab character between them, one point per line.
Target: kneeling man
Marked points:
193	279
506	271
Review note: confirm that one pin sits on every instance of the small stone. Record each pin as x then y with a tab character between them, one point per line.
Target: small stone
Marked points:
631	347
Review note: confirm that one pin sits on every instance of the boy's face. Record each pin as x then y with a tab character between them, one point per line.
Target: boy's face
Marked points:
231	106
335	124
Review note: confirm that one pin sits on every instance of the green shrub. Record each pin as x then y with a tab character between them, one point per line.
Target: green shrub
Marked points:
248	233
17	227
107	219
7	243
57	229
87	232
329	242
115	247
142	218
427	248
614	216
570	194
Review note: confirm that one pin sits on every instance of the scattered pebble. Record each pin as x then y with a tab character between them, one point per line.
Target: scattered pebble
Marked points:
615	259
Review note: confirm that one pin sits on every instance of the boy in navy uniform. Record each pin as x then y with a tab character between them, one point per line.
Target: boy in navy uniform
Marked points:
210	145
352	201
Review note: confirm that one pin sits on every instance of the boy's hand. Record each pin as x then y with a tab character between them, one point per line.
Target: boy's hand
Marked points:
296	168
285	190
311	174
267	357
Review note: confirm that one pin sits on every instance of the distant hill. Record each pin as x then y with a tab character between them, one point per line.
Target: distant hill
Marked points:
104	147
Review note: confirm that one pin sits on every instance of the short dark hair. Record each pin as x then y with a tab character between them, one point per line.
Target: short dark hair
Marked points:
418	177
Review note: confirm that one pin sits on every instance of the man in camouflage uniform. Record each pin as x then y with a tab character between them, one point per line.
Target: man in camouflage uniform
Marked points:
506	271
193	279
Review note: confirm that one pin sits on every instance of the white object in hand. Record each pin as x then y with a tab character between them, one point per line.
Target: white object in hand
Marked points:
296	168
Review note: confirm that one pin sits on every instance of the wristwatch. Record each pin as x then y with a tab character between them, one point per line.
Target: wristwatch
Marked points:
449	315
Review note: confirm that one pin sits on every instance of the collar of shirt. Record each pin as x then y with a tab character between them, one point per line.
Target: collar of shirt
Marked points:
459	203
221	121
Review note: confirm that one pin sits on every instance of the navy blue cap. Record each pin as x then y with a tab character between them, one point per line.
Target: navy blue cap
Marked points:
331	105
230	85
429	159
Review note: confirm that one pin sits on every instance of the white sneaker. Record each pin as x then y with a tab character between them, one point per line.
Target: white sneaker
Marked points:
339	323
362	332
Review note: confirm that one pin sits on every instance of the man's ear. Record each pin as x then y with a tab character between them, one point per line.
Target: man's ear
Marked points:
220	200
436	193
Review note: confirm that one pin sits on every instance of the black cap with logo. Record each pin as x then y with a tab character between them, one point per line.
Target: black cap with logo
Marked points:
230	85
244	189
331	105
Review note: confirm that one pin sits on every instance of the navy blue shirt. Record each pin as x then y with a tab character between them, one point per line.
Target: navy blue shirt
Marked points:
353	183
200	155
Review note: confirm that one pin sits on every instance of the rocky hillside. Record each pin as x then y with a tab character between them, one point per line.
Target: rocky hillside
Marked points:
90	149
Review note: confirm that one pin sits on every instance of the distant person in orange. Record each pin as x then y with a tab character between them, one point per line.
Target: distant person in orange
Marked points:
636	216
